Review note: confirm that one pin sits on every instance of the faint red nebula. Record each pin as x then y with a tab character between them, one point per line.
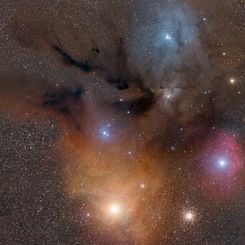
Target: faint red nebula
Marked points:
221	166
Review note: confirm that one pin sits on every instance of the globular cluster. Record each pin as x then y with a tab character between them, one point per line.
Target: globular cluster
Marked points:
122	122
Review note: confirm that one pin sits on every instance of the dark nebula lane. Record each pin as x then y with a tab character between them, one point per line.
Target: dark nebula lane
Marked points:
122	122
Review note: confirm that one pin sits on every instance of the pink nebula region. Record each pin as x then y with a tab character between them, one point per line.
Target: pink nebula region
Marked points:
221	167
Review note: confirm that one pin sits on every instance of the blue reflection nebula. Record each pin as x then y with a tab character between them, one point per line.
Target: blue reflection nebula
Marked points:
105	132
222	163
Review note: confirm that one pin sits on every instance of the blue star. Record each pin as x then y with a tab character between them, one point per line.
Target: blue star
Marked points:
168	37
222	163
104	131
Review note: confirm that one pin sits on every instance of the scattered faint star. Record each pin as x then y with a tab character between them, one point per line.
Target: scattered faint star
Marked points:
122	122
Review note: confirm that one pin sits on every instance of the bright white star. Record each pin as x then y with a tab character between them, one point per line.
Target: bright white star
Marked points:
189	216
114	209
105	131
168	37
222	163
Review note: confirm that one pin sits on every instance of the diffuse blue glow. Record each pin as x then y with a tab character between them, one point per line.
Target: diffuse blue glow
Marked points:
176	27
105	131
163	46
168	37
222	163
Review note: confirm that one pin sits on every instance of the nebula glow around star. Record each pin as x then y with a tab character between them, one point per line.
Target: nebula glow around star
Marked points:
122	122
222	161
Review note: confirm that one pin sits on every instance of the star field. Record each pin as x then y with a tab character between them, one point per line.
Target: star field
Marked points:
122	122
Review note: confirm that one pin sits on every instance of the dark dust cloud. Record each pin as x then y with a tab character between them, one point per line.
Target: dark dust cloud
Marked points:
122	122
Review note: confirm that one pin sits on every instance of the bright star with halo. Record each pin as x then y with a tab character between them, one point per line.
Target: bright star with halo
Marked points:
114	209
189	216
